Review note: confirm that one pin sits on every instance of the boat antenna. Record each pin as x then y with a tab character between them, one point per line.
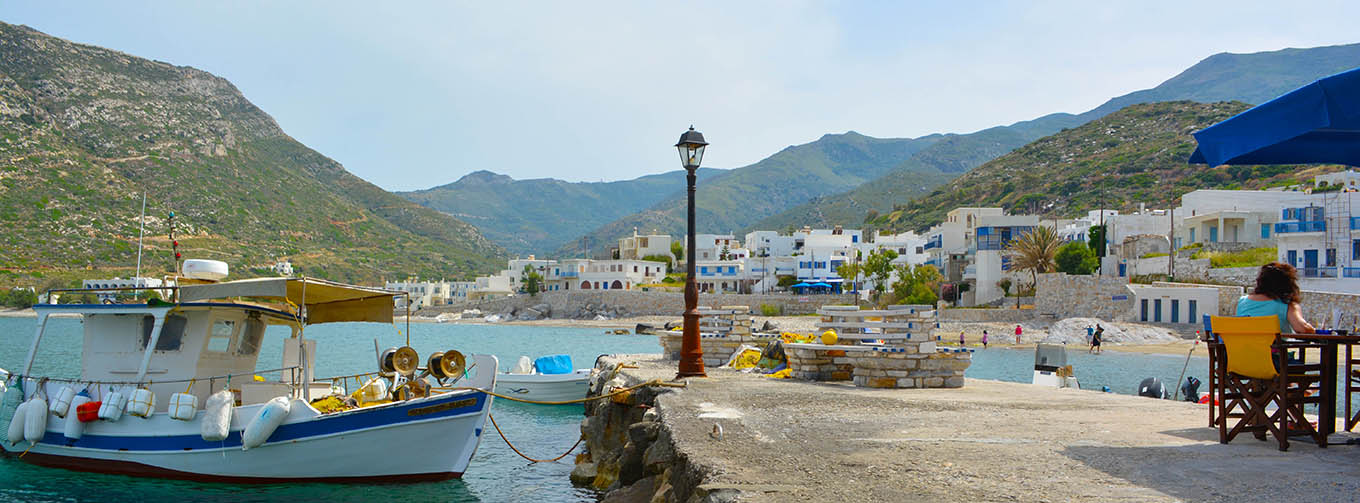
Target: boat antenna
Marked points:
140	232
174	246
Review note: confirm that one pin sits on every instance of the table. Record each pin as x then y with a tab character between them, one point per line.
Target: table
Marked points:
1328	376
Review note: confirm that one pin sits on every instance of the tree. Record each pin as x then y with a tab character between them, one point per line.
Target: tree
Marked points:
878	267
850	271
1075	258
1033	251
1095	238
531	280
1005	285
916	285
678	249
722	255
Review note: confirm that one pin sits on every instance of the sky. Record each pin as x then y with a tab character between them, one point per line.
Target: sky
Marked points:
411	95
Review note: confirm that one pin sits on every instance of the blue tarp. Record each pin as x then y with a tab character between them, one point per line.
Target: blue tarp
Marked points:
1316	123
553	364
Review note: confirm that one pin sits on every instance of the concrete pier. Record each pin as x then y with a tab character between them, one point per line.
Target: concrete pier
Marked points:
786	440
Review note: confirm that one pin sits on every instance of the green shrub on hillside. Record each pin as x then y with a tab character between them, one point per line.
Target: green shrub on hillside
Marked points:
1254	257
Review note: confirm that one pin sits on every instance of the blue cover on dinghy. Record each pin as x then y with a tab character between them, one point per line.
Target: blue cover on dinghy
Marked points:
553	364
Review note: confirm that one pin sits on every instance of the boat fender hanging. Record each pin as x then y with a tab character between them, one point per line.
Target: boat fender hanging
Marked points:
112	408
265	422
217	416
35	420
183	406
62	402
73	428
141	403
89	412
16	424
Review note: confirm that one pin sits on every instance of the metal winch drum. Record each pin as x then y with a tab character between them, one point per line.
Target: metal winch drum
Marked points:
403	360
446	364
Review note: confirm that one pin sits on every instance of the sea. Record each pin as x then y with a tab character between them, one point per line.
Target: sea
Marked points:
496	474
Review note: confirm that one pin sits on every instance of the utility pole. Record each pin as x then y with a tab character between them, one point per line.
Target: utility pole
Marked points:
1171	245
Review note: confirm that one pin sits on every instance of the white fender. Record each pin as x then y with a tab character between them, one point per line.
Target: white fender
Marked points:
112	408
35	420
217	416
62	402
266	421
16	424
183	406
142	403
73	428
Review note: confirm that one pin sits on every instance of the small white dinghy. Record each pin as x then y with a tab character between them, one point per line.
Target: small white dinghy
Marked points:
547	379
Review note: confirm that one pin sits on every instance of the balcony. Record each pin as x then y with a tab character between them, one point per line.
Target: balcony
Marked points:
1355	223
1304	226
934	243
1319	272
1350	272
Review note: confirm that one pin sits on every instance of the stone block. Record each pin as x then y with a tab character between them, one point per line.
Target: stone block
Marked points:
954	382
843	360
895	373
841	375
907	383
881	382
934	382
835	352
926	347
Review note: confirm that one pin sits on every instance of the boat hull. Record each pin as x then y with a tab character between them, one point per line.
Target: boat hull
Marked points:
545	387
431	438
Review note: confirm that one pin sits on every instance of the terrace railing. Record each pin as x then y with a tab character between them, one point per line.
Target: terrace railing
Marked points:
1304	226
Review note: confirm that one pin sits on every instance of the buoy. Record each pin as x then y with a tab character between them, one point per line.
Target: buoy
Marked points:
73	428
35	420
183	406
829	338
16	424
217	416
142	403
62	402
112	408
266	421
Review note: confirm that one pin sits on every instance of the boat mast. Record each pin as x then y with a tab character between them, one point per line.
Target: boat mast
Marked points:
140	232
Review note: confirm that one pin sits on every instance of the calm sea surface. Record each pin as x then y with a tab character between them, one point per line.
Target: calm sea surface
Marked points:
496	473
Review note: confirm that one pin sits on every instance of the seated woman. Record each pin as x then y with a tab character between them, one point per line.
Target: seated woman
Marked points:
1276	293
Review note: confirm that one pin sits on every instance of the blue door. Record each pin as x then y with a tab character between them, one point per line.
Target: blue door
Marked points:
1310	263
1213	234
1294	258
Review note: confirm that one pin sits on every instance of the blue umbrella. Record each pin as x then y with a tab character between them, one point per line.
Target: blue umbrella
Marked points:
801	285
820	285
1316	123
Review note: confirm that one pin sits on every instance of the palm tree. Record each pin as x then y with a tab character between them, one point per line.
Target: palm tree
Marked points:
1034	251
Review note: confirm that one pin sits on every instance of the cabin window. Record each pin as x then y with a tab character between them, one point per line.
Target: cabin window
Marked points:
220	337
250	337
172	332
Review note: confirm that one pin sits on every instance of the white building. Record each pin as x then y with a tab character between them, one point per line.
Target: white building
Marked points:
588	274
909	246
422	293
637	246
112	295
488	287
714	246
1349	179
1163	304
283	268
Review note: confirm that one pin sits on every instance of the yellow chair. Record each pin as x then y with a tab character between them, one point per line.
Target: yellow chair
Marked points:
1251	377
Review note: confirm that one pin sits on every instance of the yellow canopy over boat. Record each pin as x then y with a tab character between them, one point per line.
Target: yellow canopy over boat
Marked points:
323	301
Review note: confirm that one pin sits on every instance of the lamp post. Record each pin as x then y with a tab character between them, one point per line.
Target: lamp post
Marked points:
691	147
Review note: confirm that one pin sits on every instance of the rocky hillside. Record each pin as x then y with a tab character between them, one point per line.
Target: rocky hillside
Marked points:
1248	78
1135	155
538	216
85	130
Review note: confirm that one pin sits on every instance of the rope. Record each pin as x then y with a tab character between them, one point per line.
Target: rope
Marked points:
521	454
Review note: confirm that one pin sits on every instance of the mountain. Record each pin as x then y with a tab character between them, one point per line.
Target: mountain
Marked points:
736	198
1135	155
86	130
1249	78
538	216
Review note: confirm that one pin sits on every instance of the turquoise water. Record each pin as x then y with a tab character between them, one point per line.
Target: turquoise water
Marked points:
496	472
1120	371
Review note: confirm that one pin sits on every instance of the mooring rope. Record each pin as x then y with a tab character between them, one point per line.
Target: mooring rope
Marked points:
525	456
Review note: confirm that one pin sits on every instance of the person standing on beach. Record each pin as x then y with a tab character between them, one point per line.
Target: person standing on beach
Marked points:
1017	334
1089	332
984	339
961	340
1095	339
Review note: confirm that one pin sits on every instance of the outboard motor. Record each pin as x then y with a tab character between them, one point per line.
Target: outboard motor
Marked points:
1152	388
1190	389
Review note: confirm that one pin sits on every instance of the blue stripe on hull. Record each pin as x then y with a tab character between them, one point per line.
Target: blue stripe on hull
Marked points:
321	425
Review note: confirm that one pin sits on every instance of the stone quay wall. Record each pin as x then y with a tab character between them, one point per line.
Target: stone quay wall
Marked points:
818	362
1318	307
644	303
1061	295
908	365
1001	315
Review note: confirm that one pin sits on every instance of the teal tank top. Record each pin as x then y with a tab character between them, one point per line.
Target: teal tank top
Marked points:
1248	307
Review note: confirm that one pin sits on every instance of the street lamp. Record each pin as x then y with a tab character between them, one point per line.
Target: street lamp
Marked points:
691	147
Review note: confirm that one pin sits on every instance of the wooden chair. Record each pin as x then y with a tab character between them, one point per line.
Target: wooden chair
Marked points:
1252	374
1352	378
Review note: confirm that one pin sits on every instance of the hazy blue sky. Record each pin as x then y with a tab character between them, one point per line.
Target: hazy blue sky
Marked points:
410	95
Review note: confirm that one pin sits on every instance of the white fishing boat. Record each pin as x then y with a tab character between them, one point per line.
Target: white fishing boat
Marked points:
548	379
167	358
1051	368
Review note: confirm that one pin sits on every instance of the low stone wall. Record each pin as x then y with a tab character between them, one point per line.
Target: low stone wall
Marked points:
640	303
1061	295
1001	315
1198	270
896	368
1318	306
818	362
717	348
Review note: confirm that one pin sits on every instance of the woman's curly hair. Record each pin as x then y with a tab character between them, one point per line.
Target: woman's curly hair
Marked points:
1278	281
